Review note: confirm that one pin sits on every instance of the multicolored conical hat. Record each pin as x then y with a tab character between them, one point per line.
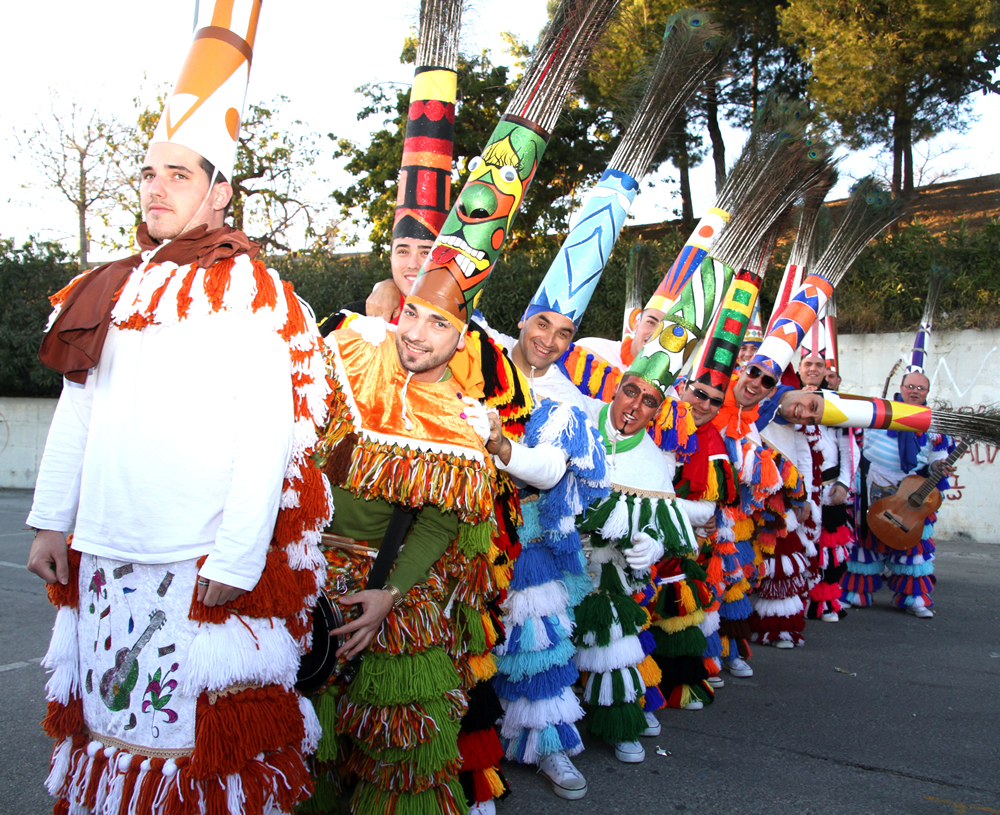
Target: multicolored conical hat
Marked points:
814	340
717	357
204	109
691	50
918	355
474	232
755	329
424	185
686	322
832	350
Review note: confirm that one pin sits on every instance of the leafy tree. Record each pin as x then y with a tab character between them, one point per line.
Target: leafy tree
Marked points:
70	149
895	72
758	62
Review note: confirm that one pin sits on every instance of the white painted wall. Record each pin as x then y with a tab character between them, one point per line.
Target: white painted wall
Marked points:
24	424
964	369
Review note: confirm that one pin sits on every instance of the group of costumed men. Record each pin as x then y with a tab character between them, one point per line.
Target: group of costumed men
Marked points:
516	530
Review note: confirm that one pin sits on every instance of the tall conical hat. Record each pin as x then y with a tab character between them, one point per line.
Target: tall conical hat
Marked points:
918	355
473	234
832	350
755	329
424	186
686	322
690	52
204	110
814	340
716	359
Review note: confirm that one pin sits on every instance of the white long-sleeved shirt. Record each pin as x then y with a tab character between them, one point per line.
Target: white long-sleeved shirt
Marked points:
176	447
542	466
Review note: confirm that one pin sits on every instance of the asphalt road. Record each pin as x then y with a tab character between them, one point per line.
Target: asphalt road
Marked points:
910	728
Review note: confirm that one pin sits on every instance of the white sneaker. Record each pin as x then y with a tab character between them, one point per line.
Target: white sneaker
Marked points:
567	781
484	808
717	681
844	604
629	752
694	704
653	727
830	617
737	667
784	644
922	612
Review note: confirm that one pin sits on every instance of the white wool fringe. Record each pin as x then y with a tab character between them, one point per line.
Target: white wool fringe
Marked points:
313	729
589	638
618	524
62	659
710	624
59	766
235	797
787	607
524	714
606	689
546	600
241	650
304	554
627	651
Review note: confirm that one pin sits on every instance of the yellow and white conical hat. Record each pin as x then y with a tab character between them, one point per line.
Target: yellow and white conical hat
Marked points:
205	108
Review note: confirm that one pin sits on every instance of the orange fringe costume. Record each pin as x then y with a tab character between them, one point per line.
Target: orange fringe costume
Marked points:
250	734
394	439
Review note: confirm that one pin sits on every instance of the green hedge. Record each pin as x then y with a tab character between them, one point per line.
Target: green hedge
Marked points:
27	276
884	291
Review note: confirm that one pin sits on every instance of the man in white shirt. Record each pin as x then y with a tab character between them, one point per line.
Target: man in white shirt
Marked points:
180	456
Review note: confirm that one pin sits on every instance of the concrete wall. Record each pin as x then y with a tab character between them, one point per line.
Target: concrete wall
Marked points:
24	424
964	369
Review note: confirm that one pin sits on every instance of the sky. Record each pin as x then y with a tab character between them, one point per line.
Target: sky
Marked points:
316	53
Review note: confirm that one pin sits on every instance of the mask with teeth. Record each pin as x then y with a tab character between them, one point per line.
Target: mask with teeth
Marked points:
477	226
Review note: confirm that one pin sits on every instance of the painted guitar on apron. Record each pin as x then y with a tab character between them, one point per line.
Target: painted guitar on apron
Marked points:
118	682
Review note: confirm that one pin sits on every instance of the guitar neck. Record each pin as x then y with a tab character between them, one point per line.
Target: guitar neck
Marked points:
931	481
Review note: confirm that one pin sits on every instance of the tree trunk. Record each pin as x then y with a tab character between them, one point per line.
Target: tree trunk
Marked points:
897	154
908	157
684	171
715	134
81	209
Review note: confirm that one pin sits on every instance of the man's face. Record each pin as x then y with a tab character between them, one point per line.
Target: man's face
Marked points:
174	192
811	372
648	320
753	385
801	407
544	338
634	405
914	389
406	258
833	379
704	400
747	351
426	342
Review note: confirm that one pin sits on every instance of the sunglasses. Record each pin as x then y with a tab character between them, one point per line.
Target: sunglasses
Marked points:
766	380
701	396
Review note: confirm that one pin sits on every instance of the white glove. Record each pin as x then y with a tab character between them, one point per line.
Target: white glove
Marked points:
644	553
476	415
371	329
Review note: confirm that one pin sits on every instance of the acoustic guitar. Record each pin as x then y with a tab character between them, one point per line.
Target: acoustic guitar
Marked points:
898	520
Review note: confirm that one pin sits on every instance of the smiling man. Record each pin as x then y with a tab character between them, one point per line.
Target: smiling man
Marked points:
404	439
194	356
